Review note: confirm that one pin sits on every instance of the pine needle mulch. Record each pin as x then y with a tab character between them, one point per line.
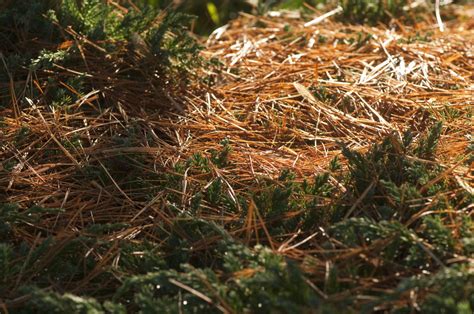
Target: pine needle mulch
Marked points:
285	96
279	75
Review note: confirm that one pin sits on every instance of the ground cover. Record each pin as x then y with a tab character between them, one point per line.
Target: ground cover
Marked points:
287	163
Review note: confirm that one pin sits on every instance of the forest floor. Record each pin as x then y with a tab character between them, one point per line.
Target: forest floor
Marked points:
306	167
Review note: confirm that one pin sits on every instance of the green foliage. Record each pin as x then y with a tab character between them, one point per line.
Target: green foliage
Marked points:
391	180
220	159
427	145
249	280
406	248
89	17
323	94
156	47
42	301
274	200
25	16
451	290
46	59
11	214
372	11
141	258
6	253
